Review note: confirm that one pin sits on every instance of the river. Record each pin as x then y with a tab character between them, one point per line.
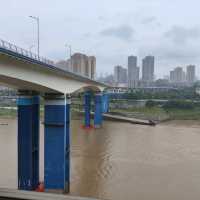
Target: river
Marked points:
122	161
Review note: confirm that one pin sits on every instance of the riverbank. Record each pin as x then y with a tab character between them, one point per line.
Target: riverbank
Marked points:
159	114
156	113
8	112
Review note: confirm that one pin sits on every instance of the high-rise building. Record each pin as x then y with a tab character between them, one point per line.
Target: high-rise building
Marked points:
92	66
84	65
172	76
148	70
190	74
120	75
80	64
177	75
133	72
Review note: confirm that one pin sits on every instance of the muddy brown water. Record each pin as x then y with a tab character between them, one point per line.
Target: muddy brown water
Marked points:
122	161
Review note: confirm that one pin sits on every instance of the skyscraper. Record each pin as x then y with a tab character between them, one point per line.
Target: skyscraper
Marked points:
120	75
92	66
190	74
133	72
177	75
148	70
84	65
80	64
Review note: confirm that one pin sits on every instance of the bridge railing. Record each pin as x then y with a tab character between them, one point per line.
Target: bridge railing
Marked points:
19	50
29	54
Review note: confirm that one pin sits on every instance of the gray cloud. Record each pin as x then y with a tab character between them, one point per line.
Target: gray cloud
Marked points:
149	20
123	32
181	35
102	18
181	55
107	30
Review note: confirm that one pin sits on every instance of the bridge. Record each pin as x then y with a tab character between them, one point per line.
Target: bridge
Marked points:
35	77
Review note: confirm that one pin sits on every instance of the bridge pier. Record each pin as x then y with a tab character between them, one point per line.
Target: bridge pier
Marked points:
87	109
57	143
28	142
105	103
98	111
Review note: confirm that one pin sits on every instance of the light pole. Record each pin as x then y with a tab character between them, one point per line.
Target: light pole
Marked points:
38	32
70	50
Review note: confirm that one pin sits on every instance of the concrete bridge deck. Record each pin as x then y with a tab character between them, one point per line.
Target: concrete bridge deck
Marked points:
23	70
26	195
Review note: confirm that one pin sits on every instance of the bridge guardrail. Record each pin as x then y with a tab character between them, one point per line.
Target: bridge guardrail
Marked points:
19	50
11	47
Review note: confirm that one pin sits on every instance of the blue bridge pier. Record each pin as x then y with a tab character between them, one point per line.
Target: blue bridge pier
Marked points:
98	110
105	102
57	143
87	109
101	105
56	138
28	141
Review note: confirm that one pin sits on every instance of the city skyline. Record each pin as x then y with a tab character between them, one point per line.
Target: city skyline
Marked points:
133	76
155	77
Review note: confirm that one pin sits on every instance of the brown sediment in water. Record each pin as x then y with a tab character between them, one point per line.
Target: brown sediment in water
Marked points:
121	160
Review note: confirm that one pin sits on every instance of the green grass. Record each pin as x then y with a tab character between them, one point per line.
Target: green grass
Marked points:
158	113
180	114
8	113
153	113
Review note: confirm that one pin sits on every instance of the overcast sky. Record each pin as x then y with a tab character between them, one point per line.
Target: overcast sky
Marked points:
109	29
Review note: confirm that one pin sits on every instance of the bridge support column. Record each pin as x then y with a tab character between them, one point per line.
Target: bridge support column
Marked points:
98	111
105	103
28	142
57	144
87	109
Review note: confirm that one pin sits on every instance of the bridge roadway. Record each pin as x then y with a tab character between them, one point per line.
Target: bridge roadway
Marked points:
10	194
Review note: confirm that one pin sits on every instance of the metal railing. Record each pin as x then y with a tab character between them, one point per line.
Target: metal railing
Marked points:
21	51
11	47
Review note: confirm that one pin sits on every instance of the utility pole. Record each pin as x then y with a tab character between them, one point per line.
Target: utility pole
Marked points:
37	19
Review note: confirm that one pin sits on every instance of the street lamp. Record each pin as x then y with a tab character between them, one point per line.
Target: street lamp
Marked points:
70	50
38	32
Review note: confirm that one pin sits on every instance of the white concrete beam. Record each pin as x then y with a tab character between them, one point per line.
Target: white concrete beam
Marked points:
26	76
